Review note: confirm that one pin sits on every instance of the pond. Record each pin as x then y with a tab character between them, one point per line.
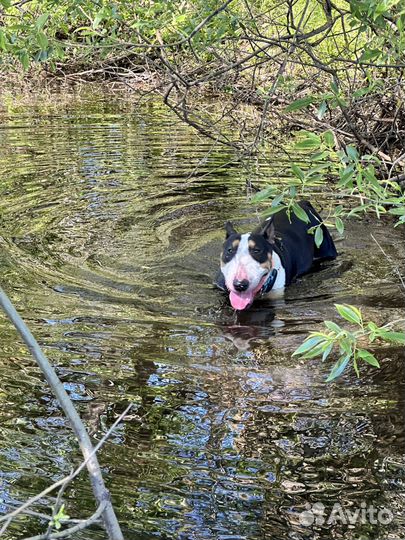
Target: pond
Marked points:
112	219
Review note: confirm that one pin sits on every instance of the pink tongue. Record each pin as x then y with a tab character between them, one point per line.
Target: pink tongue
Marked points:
240	300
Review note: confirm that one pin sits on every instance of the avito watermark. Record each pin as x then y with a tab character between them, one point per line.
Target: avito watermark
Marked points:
318	514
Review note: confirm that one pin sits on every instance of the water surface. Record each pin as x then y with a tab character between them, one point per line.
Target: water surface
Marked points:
111	225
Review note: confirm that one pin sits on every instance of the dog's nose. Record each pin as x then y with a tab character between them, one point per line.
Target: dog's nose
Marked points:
241	285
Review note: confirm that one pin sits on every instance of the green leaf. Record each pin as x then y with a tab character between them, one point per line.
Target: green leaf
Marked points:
323	107
308	344
308	144
370	54
318	236
338	368
263	194
350	313
317	350
277	200
368	357
396	337
273	210
330	325
356	367
297	171
42	40
41	21
397	211
352	152
334	88
299	104
3	41
339	225
329	139
300	213
327	351
24	59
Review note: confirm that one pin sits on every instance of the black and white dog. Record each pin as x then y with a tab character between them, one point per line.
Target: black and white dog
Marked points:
271	257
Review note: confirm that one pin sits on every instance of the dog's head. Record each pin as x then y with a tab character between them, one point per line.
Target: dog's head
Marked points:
246	260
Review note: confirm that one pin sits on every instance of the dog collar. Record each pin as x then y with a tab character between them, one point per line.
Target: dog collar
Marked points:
268	284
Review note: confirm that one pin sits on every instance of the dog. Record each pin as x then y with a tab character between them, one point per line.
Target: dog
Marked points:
271	257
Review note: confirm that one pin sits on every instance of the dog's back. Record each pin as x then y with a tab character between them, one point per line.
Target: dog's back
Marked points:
295	246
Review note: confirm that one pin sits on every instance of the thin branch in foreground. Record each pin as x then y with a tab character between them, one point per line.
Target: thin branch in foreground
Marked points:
100	491
66	479
72	530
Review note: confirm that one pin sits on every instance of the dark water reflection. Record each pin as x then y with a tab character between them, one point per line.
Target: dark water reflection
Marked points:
111	222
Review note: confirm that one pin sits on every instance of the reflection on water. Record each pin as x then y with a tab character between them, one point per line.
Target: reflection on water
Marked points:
111	226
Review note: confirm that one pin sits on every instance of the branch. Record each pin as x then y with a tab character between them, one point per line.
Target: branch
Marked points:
99	489
66	479
72	530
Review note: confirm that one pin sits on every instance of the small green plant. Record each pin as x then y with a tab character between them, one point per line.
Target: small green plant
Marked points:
347	342
356	179
57	519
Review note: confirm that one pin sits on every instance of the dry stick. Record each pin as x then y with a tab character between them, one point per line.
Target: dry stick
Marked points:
66	479
100	491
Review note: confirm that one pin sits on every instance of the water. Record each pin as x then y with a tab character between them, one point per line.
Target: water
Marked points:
111	225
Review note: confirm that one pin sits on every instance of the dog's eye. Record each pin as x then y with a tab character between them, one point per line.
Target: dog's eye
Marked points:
229	250
257	251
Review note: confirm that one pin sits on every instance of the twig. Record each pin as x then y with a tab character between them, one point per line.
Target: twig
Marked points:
66	479
72	530
100	491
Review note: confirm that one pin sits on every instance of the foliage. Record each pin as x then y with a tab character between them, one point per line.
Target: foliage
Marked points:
59	517
356	179
347	342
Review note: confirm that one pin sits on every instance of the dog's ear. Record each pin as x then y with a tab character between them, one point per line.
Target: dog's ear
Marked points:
229	229
267	230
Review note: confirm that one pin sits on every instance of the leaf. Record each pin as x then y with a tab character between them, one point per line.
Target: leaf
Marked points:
396	337
329	139
297	171
352	152
3	41
356	367
370	54
368	357
308	344
24	59
263	194
350	313
299	104
330	325
339	225
327	351
397	211
308	144
277	200
338	368
300	213
42	40
41	21
319	155
273	210
318	236
317	350
334	87
323	107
